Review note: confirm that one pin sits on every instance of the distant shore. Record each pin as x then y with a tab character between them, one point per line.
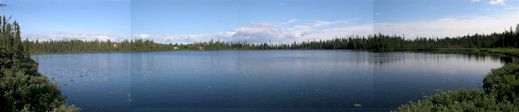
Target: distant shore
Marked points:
500	52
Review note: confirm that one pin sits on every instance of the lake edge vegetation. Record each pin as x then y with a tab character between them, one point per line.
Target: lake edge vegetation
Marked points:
22	88
500	93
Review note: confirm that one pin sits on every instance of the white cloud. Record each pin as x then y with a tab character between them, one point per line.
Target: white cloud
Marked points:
450	26
516	9
284	32
497	2
291	21
143	36
88	36
436	28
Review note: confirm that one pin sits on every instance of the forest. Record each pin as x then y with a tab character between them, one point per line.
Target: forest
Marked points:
506	39
22	88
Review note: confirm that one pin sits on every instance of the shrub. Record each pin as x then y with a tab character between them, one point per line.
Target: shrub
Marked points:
504	82
65	108
499	94
34	93
473	100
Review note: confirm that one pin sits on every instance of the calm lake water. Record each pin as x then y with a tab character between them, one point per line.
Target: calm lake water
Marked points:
284	80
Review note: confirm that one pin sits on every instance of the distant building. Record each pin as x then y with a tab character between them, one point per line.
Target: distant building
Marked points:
201	48
175	48
115	45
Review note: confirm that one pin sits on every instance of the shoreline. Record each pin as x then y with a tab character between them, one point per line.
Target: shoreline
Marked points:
499	52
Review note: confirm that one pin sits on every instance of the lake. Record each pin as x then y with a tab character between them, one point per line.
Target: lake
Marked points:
255	80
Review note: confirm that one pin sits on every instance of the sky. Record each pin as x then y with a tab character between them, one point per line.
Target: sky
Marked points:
279	21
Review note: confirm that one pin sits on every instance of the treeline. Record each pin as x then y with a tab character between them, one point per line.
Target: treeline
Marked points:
22	88
95	46
506	39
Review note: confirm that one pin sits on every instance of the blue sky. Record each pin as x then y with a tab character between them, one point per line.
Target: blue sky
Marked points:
410	10
111	16
187	21
206	16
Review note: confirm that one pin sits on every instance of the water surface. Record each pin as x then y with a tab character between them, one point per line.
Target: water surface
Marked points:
284	80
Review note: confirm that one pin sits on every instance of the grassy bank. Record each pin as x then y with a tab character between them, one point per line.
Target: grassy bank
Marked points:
501	52
500	93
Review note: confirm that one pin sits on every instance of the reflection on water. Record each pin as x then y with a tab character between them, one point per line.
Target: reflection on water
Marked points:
321	80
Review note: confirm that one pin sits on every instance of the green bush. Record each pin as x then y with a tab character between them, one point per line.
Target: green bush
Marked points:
474	100
65	108
504	82
35	93
499	94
